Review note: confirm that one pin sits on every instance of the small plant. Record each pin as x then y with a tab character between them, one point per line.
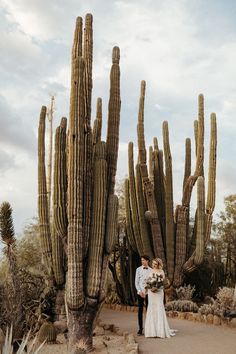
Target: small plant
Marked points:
182	306
224	302
25	346
225	297
213	309
185	292
81	348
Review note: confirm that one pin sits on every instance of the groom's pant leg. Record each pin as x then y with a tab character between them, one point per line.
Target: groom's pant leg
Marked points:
140	312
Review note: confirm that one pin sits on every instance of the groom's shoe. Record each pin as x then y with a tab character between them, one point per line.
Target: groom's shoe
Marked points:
140	332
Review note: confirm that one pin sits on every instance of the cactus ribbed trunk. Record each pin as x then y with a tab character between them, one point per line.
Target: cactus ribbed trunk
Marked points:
85	207
80	327
75	292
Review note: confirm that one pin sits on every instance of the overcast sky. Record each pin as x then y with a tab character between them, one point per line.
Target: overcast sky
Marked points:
180	47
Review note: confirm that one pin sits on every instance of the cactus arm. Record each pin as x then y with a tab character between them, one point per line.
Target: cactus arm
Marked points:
155	144
200	240
43	212
195	134
199	171
182	221
111	223
170	235
147	185
129	225
75	291
187	167
60	182
88	59
97	125
199	139
133	201
140	127
88	144
150	163
60	222
113	119
147	248
159	190
97	235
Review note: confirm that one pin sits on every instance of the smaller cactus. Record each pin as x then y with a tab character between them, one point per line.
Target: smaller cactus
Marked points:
224	302
182	306
47	332
185	292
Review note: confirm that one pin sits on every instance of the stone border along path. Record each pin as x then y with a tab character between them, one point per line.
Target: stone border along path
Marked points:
192	337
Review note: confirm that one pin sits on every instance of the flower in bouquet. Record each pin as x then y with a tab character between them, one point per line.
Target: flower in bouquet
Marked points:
154	283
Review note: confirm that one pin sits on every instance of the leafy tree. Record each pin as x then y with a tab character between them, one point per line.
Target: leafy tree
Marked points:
28	272
8	238
225	231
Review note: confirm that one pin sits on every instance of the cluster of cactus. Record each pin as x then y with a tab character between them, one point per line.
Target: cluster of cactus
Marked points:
224	302
123	265
182	306
185	292
77	246
153	228
226	298
211	309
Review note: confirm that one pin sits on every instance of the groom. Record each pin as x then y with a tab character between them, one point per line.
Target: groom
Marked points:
142	273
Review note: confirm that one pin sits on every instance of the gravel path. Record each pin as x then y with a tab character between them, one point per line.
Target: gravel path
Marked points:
192	338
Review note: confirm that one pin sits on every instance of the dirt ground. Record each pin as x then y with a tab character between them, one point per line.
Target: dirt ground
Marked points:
107	344
192	338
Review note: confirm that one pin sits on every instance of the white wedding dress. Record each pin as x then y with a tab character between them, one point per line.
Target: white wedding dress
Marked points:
156	324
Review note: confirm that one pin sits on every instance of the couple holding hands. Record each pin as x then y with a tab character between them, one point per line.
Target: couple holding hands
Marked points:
149	283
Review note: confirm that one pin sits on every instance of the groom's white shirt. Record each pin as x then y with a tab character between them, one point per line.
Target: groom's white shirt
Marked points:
141	277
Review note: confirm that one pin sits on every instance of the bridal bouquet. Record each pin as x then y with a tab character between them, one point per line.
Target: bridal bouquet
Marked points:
155	283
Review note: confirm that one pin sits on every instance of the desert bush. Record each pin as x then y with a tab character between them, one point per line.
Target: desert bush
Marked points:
31	275
181	305
32	286
213	309
185	292
224	302
225	297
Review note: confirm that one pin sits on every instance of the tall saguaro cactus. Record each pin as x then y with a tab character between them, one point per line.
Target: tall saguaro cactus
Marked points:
169	231
85	207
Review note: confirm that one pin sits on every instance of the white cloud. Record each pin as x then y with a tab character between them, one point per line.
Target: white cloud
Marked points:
168	43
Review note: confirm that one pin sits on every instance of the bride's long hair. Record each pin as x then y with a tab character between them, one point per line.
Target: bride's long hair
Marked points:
159	262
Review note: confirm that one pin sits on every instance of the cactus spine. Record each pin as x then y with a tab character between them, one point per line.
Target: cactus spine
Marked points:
85	206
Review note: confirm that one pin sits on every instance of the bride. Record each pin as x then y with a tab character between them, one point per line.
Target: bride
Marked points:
156	324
